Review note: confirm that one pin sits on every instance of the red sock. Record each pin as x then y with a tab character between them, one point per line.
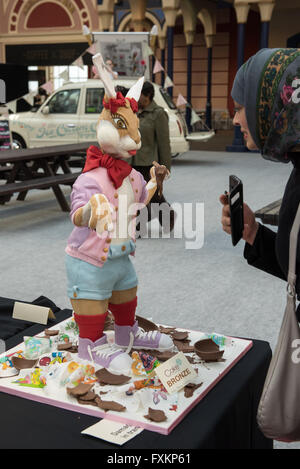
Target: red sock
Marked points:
124	313
90	326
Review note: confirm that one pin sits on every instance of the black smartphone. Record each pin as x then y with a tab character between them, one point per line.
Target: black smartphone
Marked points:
236	205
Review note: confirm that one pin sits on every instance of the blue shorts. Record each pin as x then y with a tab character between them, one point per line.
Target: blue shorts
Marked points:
89	282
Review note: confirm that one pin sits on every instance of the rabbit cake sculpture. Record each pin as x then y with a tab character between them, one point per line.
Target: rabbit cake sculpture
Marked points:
105	198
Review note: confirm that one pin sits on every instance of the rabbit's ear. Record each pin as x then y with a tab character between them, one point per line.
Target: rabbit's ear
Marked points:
135	90
104	76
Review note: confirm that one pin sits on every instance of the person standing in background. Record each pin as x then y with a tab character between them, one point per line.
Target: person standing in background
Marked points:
110	68
154	129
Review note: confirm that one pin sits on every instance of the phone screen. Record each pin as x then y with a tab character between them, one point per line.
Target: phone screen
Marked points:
236	202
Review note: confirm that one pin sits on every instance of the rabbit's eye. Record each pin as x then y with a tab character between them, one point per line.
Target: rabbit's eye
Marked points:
120	123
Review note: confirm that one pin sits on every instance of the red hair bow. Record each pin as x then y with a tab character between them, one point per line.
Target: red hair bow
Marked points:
114	103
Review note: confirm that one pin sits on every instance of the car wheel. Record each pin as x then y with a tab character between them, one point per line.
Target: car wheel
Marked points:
17	142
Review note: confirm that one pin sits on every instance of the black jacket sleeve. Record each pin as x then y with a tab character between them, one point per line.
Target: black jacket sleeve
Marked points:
262	254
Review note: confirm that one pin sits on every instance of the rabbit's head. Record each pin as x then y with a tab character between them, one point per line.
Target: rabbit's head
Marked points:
118	125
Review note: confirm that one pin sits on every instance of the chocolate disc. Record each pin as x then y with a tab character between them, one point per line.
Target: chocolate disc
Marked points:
208	350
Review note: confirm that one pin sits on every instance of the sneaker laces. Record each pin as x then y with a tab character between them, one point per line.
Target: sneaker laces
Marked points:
140	334
99	350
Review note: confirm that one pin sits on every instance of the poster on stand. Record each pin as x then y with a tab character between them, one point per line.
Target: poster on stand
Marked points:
128	52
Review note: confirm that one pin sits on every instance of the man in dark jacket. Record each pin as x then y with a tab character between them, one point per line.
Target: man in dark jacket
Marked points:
154	129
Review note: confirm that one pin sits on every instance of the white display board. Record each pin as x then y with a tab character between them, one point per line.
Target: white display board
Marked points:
128	51
175	406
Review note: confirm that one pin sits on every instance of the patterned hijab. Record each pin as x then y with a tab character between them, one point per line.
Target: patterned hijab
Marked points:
267	86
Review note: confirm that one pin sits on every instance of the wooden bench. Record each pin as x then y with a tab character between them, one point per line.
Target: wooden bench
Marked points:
39	168
269	214
7	190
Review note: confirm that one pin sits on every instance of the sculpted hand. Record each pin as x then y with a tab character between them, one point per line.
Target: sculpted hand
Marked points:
96	214
250	224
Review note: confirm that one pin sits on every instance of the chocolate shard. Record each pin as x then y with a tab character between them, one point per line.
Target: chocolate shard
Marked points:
183	346
51	332
106	377
83	402
191	360
68	346
146	324
109	405
156	415
89	396
80	389
23	363
166	330
73	349
65	346
163	356
190	388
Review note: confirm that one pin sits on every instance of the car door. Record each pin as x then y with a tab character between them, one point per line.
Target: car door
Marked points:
92	107
58	119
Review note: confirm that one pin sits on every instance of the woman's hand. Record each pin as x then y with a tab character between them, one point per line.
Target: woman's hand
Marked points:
250	224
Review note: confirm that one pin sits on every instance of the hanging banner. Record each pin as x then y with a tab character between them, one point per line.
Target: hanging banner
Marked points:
194	117
157	67
149	51
12	105
168	82
181	101
64	75
29	97
48	87
78	62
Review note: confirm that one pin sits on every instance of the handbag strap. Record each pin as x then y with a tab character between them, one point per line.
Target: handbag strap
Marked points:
293	250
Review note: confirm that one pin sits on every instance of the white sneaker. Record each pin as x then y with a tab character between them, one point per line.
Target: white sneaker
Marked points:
103	354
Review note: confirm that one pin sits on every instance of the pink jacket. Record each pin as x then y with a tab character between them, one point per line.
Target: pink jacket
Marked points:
83	242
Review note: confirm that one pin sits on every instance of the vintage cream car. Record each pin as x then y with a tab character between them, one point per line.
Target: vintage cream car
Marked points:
70	116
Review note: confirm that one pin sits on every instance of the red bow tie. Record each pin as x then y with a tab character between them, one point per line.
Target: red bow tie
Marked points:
117	169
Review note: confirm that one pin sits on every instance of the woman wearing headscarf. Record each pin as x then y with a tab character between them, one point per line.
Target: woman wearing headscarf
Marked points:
265	93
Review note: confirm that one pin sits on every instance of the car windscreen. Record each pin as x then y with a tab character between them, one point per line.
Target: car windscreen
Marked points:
167	98
64	102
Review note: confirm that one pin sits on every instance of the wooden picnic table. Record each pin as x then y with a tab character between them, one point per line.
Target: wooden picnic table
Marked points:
39	168
269	214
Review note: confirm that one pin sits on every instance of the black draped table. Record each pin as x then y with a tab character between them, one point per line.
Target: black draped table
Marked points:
224	419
